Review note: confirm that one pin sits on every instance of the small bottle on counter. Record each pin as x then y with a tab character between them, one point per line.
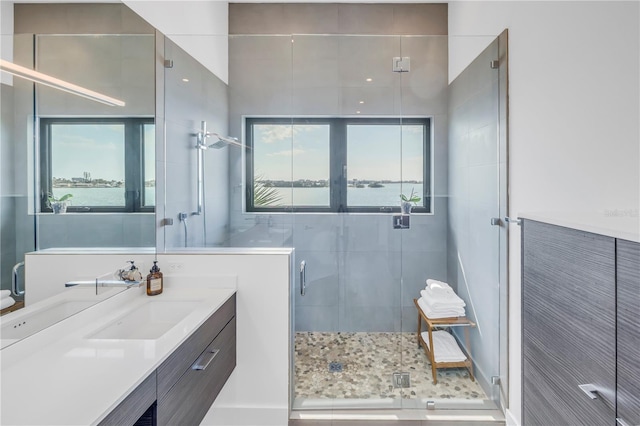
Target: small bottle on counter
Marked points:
154	280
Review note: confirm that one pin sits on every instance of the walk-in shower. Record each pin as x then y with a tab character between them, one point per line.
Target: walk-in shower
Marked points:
332	140
337	156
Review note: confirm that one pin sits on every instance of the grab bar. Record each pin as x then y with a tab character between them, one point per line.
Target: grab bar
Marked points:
14	279
303	277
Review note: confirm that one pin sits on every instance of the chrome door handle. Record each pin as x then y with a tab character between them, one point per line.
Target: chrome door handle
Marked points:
590	390
303	278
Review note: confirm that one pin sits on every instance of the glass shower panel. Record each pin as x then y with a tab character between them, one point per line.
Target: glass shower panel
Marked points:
348	322
457	243
262	195
199	163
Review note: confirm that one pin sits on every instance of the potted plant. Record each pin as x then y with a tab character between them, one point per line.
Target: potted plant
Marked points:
408	202
59	204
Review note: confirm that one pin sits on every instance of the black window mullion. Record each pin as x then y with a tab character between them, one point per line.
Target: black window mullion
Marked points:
338	165
133	185
46	180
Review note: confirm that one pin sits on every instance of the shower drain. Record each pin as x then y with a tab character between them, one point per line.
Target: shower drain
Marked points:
335	367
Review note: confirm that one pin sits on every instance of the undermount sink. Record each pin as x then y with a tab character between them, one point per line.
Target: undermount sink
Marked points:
148	321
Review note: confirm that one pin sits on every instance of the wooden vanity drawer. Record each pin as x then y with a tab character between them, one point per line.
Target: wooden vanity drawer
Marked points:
134	405
182	358
190	398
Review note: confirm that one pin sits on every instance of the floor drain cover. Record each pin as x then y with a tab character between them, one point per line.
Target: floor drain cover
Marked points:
335	367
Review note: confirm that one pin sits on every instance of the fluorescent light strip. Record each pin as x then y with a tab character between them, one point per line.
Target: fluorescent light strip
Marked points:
47	80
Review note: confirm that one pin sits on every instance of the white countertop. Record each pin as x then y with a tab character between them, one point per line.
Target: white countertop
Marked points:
59	376
623	224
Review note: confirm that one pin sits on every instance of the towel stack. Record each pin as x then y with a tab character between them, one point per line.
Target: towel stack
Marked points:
438	300
5	299
445	347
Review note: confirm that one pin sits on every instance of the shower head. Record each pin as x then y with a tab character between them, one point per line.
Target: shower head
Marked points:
223	141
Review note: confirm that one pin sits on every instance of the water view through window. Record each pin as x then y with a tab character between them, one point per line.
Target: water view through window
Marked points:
337	164
87	161
86	158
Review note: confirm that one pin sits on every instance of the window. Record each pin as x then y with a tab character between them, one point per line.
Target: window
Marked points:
337	164
107	164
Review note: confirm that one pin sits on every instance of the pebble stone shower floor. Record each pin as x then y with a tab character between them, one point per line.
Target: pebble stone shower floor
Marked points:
368	362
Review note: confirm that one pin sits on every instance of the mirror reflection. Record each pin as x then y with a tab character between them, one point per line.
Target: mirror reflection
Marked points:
77	155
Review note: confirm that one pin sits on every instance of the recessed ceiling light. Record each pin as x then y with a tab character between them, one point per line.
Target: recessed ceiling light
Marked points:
361	102
369	79
186	80
357	112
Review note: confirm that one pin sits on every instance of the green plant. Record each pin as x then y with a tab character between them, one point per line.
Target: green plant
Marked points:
264	195
53	199
413	198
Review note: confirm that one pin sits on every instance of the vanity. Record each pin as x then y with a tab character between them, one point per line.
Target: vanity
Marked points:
131	359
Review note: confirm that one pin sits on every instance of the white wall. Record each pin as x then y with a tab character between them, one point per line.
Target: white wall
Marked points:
573	135
199	27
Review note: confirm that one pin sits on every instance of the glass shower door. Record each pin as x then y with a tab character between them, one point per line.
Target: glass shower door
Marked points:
469	195
348	322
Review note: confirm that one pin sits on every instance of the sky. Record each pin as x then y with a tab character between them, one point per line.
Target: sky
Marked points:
97	149
374	152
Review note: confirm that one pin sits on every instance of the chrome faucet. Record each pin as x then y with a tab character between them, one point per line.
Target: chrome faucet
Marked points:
103	283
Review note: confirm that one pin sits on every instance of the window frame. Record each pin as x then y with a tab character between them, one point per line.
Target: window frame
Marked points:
133	155
337	163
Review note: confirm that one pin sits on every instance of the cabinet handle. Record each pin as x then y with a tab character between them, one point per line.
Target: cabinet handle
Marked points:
205	359
621	422
590	390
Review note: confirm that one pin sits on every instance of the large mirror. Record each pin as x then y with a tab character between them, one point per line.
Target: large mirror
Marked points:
78	138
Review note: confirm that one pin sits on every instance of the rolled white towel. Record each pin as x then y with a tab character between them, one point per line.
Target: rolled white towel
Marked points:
438	285
5	293
445	347
5	302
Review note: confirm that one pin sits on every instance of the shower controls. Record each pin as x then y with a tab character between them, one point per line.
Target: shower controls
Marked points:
401	221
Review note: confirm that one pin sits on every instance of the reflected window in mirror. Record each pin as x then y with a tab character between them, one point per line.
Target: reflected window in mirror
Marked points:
106	164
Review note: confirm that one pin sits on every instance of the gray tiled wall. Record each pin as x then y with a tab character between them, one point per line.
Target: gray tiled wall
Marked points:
362	275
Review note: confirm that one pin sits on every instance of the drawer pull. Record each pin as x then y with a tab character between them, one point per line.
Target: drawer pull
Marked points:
205	359
590	390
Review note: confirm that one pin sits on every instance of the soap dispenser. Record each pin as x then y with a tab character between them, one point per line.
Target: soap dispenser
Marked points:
154	280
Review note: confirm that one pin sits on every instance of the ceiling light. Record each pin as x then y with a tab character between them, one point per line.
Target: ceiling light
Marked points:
361	102
47	80
369	79
186	80
357	112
